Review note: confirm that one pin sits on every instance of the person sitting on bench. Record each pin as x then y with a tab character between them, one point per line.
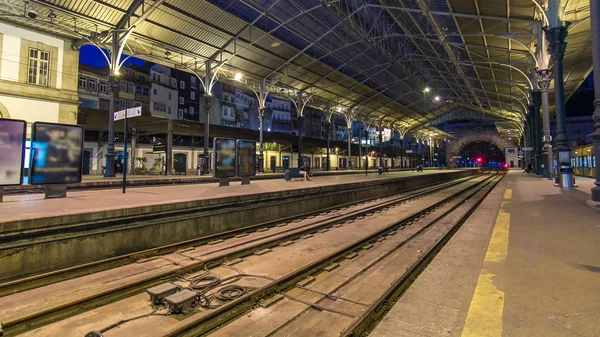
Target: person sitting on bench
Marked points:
304	173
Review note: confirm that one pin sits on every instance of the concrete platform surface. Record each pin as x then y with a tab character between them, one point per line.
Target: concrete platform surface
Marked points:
525	264
33	206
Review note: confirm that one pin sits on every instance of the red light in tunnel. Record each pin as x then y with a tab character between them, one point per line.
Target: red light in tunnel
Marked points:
479	160
505	165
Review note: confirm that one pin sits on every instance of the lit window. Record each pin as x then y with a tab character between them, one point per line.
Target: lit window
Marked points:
102	86
38	67
181	101
191	110
180	114
130	88
182	85
193	95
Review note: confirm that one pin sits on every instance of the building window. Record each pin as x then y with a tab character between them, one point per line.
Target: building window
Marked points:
92	84
155	91
38	67
181	101
170	95
123	86
82	82
180	114
130	104
191	110
158	77
154	77
122	103
130	88
181	85
193	81
102	86
145	91
193	95
169	110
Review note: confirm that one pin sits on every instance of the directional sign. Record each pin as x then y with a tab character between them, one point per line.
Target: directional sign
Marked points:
527	149
133	112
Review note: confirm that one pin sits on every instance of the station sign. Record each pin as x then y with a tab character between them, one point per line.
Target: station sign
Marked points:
131	113
527	148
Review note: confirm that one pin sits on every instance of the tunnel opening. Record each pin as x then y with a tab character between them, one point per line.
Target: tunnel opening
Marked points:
481	154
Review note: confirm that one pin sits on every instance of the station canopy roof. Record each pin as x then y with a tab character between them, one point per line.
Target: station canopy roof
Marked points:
374	57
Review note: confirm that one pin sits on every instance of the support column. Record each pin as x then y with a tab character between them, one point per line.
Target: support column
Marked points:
328	144
169	154
381	146
595	17
544	78
350	146
401	152
300	121
261	158
207	104
359	146
537	130
113	88
556	38
133	149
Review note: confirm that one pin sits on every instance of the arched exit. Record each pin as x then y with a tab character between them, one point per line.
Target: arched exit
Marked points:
480	153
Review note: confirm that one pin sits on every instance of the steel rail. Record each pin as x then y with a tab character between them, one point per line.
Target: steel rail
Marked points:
50	315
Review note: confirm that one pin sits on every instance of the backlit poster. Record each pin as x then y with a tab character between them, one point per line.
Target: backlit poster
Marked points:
224	150
12	151
246	158
57	154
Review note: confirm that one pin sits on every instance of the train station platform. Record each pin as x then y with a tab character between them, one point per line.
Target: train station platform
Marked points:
524	264
100	182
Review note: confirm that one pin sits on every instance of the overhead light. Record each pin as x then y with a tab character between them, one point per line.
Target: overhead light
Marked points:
427	89
339	109
117	72
238	77
437	98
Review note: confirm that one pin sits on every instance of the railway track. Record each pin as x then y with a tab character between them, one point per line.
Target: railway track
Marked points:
226	247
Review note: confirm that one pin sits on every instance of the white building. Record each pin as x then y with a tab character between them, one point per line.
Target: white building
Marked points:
164	95
38	77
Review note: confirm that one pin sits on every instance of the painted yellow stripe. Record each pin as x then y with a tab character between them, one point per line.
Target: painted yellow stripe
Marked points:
484	318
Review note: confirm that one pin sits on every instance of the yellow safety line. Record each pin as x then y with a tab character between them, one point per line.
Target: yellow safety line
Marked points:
485	313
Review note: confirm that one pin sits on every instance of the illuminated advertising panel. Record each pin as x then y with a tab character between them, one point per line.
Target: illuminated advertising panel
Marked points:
224	150
57	154
12	151
246	158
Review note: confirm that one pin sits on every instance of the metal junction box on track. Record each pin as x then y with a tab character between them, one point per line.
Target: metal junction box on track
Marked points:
159	292
182	301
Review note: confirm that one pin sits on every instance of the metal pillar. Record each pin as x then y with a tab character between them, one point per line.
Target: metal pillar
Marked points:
380	146
350	147
169	154
113	87
133	149
367	150
207	97
300	121
595	17
261	159
359	146
556	39
401	152
544	78
207	103
537	129
328	144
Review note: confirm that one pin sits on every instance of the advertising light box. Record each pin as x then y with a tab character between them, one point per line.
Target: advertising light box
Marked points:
57	154
12	151
246	158
224	150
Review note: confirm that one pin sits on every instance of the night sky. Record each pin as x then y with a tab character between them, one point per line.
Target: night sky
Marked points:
91	56
580	104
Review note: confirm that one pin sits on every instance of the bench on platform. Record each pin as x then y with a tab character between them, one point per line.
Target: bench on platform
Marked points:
294	173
